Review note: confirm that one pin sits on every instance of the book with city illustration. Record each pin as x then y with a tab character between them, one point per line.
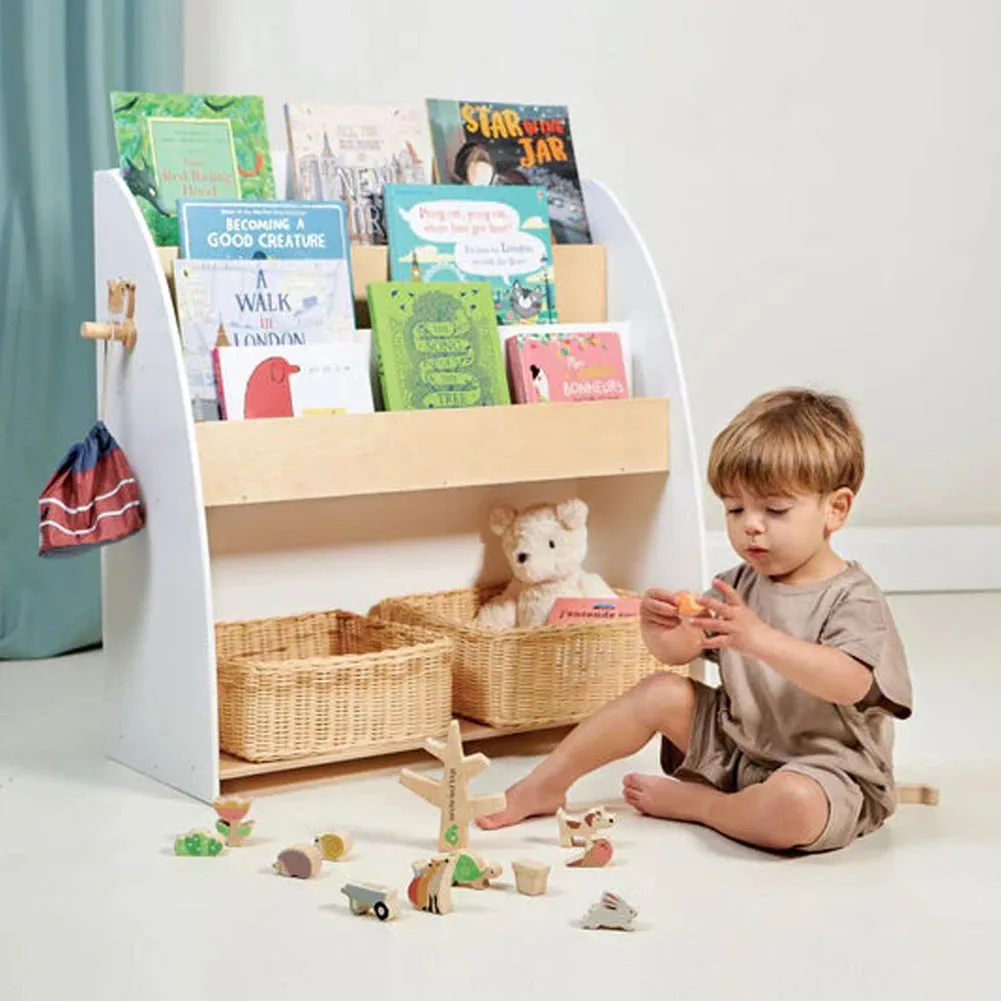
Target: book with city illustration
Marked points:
351	152
174	146
258	304
500	143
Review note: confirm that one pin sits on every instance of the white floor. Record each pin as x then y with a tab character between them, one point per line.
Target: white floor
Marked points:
94	904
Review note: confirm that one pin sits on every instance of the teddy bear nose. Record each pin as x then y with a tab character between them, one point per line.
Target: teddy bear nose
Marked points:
522	557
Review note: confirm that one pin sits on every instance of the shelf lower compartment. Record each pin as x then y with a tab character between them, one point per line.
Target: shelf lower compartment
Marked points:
232	768
308	458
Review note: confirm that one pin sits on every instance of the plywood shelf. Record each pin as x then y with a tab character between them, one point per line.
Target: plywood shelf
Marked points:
307	458
580	271
236	768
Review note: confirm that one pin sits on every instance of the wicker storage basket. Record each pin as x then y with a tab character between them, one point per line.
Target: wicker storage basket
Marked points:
521	677
326	681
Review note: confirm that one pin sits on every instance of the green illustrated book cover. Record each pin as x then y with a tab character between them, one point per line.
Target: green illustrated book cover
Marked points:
437	345
174	146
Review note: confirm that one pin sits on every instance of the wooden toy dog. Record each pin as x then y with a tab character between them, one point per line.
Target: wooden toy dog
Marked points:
582	830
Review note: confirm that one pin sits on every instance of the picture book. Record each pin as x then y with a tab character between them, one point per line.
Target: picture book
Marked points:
450	232
174	146
293	381
483	143
566	364
217	228
569	610
256	304
351	152
437	345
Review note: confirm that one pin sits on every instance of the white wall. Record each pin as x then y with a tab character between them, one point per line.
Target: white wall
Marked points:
819	182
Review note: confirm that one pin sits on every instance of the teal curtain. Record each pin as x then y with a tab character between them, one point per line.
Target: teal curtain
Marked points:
59	59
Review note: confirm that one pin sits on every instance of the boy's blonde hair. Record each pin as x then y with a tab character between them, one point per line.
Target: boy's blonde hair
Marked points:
789	440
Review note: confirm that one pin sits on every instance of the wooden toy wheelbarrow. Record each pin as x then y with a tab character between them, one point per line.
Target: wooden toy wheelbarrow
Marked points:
365	897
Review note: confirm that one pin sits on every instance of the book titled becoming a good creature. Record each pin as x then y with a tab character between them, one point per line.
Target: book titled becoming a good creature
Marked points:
174	146
437	345
214	227
258	304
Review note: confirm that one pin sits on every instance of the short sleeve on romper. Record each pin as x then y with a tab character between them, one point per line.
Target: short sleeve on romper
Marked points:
860	624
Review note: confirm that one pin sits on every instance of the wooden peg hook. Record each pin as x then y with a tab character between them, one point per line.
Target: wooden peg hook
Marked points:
121	296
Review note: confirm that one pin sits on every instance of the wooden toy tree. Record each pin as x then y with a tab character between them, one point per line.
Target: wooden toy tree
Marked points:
451	792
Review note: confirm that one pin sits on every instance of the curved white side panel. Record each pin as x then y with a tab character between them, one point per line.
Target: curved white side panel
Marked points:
675	554
157	607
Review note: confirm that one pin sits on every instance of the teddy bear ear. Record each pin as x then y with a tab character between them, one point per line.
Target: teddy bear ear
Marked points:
502	518
573	513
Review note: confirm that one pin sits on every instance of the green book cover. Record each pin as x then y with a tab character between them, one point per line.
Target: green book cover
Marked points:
174	146
437	345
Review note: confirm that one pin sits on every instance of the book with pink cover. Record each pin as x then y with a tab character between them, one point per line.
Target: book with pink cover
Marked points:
569	610
293	380
553	365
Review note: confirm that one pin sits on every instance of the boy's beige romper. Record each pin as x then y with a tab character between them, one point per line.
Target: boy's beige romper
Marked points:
758	722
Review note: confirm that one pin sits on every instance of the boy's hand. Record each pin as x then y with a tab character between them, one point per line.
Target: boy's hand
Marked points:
734	626
659	610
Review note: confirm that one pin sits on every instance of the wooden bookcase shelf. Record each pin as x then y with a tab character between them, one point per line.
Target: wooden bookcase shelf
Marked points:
236	768
305	458
234	530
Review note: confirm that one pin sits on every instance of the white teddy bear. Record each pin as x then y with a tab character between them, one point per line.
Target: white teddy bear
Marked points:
546	545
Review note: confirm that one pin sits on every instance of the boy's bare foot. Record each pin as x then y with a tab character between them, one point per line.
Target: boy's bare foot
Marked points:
524	800
659	796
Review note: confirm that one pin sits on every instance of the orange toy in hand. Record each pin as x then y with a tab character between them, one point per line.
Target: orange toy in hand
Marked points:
690	606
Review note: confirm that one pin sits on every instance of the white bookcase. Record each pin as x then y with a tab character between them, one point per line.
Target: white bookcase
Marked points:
275	517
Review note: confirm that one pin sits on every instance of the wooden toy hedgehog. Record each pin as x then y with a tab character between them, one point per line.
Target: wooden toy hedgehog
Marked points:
299	861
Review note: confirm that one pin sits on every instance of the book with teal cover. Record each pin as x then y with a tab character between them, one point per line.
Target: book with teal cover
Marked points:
455	232
216	228
174	146
437	345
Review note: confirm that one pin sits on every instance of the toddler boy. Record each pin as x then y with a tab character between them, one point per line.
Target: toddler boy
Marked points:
794	749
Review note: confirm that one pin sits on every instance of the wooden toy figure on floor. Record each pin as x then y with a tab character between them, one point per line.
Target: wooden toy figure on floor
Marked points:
199	843
610	912
596	855
231	823
431	888
530	877
335	845
299	862
472	871
365	898
581	831
451	792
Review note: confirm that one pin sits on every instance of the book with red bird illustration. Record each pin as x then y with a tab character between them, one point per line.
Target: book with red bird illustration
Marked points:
303	381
